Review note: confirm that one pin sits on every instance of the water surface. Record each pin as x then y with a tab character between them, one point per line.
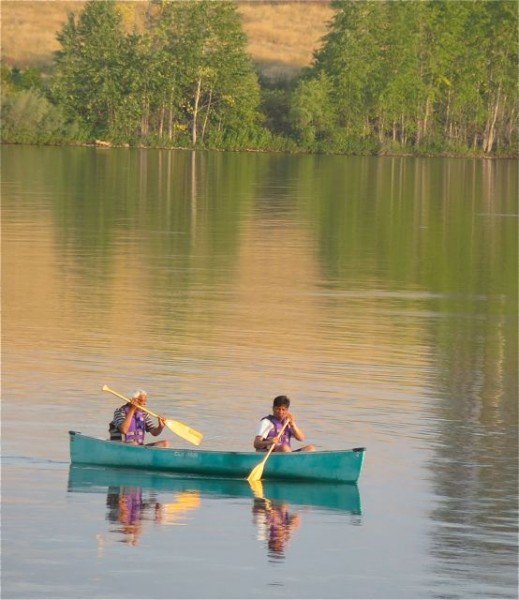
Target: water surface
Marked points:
379	294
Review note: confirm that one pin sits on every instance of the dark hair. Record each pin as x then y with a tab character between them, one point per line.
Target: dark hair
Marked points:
281	401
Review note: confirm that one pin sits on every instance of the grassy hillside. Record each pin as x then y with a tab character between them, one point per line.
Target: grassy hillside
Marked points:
282	35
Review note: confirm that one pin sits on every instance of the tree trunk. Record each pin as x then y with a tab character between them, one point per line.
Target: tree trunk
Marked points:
510	127
161	120
170	117
381	133
195	111
207	114
145	117
447	129
425	123
490	129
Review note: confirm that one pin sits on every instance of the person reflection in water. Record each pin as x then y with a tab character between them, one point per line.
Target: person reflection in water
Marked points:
128	510
275	525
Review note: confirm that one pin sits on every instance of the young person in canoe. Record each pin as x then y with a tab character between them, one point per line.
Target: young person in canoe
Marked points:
271	426
130	424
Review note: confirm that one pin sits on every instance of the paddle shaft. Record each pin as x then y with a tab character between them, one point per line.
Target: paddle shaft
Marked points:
271	449
180	429
107	389
257	472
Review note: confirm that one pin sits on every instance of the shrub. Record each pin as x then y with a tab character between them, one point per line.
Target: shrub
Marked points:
27	117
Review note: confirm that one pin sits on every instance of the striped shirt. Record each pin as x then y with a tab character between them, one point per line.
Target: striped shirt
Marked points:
118	420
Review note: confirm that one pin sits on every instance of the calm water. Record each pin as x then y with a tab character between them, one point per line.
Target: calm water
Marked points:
380	294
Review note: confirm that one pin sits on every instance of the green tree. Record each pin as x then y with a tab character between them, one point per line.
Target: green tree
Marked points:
500	84
205	43
351	57
96	70
162	116
311	112
27	79
424	75
397	104
27	117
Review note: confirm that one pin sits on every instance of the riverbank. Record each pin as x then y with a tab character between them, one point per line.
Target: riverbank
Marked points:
104	145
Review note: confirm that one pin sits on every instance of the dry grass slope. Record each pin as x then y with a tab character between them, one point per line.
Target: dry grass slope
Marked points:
282	35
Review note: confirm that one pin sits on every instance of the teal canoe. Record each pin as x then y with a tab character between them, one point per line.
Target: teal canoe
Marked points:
328	465
343	497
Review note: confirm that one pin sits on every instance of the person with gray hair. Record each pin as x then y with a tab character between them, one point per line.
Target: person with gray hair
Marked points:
130	423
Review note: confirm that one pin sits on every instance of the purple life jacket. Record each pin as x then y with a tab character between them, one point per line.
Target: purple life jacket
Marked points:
136	430
278	425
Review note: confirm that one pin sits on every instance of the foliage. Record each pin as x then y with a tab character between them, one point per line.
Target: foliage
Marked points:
419	75
311	112
17	79
188	69
390	77
95	72
27	117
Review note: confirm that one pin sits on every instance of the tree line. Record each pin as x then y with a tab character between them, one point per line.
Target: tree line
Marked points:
391	76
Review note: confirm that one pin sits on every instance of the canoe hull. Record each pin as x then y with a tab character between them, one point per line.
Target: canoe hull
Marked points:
344	466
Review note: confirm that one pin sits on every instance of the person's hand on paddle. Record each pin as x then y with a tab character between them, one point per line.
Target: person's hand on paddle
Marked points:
298	434
281	425
142	401
178	428
276	441
134	404
273	441
290	418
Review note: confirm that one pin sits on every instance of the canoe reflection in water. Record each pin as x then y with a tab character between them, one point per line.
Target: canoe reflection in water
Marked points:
136	498
275	524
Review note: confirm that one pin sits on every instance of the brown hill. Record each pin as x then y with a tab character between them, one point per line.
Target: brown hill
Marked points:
282	35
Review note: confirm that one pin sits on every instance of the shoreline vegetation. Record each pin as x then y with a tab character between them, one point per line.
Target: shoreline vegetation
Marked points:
430	78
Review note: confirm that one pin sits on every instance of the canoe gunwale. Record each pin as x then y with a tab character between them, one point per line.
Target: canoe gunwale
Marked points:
229	452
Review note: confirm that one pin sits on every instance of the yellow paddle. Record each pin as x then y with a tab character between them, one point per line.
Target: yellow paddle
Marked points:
182	430
257	473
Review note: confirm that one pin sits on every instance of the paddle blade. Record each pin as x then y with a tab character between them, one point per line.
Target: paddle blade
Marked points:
257	473
183	431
